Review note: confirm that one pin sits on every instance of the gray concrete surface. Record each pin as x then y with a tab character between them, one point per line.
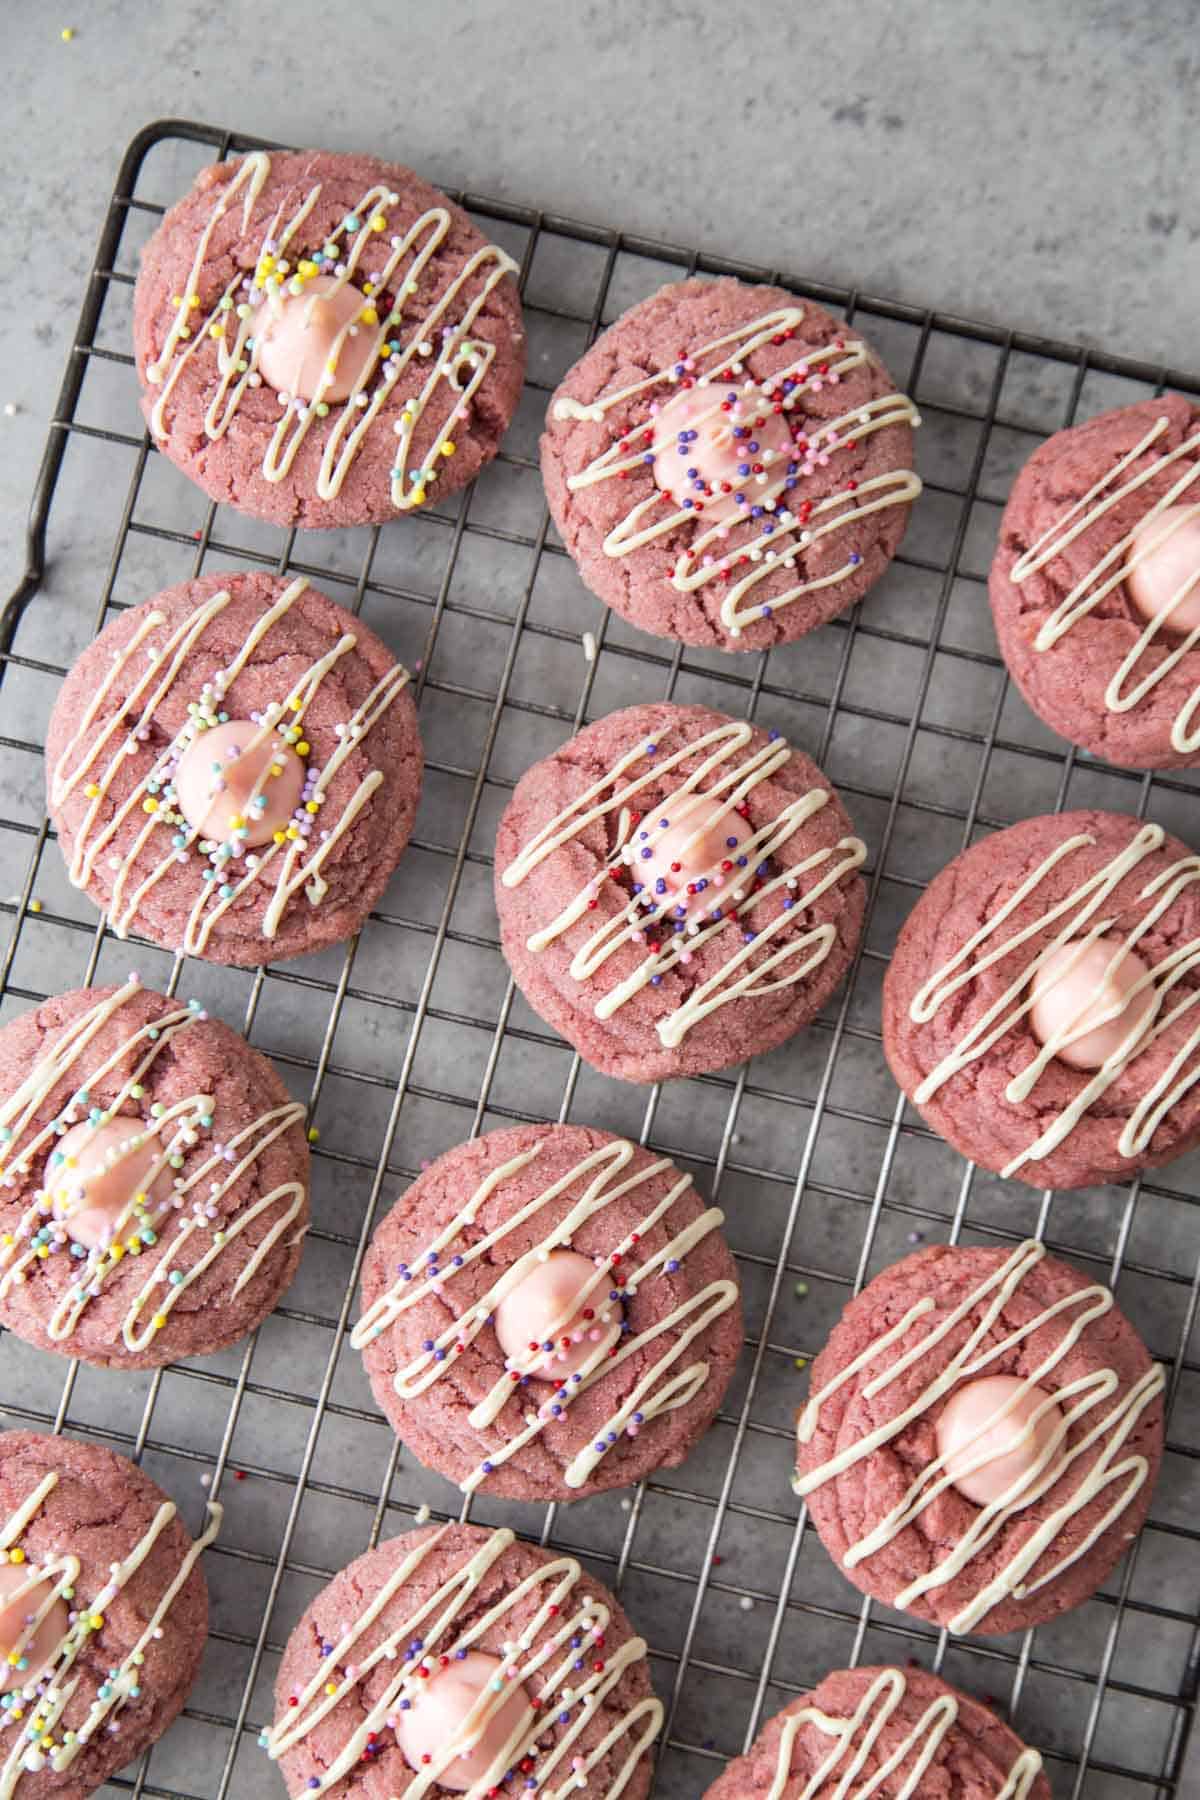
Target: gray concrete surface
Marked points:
1031	162
1028	163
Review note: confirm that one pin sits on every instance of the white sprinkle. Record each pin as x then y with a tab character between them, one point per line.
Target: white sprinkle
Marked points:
11	409
422	1515
589	647
746	1603
627	1504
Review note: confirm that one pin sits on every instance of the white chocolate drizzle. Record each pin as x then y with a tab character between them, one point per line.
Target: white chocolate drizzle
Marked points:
718	777
150	665
1115	566
440	346
37	1744
788	531
663	1388
1105	1419
1078	920
854	1740
156	1237
543	1657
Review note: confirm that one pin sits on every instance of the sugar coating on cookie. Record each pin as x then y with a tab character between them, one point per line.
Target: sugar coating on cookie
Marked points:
1039	1007
728	465
233	769
981	1438
154	1184
1095	585
677	890
103	1613
549	1311
458	1657
884	1734
325	340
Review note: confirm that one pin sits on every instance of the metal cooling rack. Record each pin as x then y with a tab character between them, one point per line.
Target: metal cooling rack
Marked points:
413	1036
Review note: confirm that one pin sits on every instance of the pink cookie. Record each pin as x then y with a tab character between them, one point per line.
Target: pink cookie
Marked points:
1082	925
548	1312
404	1700
901	1733
981	1438
155	1190
233	769
107	1615
728	465
325	339
677	891
1095	587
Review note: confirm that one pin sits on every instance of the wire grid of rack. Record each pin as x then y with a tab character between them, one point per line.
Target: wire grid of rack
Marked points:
413	1037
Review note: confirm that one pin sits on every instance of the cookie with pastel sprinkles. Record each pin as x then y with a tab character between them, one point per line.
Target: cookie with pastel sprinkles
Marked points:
730	466
550	1311
325	339
233	769
459	1658
677	891
884	1734
981	1438
1095	586
103	1614
154	1194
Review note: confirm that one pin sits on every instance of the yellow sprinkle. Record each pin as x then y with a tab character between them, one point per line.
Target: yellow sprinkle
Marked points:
418	495
16	1556
67	33
14	1657
448	447
236	820
97	1621
291	832
278	836
369	316
116	1251
801	1362
160	1320
306	269
35	906
295	704
193	301
302	748
149	805
266	264
332	366
331	1687
368	287
8	1236
184	331
43	1251
16	1712
216	331
312	805
92	789
313	1134
379	223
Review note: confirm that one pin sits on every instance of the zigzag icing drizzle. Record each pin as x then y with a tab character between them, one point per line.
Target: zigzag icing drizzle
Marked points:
1117	563
1077	920
442	348
787	532
662	1389
855	1738
91	760
1084	1403
544	1656
155	1238
38	1708
745	970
